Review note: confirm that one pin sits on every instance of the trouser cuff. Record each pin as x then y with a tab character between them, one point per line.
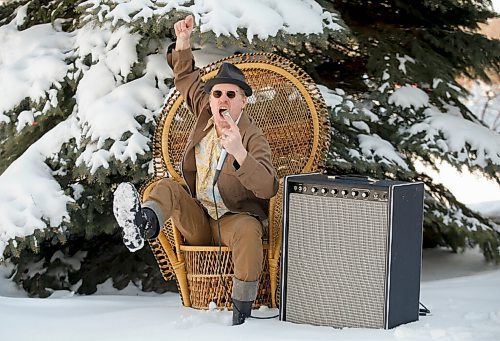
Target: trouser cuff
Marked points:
244	291
155	207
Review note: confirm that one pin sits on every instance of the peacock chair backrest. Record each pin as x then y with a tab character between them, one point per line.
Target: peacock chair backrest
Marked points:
286	104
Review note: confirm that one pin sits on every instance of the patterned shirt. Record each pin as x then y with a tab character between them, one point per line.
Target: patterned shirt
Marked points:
207	154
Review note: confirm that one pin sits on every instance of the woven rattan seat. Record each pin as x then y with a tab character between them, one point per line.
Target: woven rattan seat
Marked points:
289	108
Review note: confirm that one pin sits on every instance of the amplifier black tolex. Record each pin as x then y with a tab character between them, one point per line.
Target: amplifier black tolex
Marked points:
351	251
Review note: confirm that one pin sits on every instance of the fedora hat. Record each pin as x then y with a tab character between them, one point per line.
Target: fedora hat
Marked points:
228	73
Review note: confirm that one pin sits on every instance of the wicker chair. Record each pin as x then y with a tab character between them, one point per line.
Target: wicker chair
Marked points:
290	110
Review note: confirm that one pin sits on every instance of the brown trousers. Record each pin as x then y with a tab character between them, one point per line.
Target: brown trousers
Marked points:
240	231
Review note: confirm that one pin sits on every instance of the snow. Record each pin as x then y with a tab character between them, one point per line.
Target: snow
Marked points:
332	98
31	62
374	147
402	62
259	18
107	107
225	17
456	133
460	290
408	96
24	205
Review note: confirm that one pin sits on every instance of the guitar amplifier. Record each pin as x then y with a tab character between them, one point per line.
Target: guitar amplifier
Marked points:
351	251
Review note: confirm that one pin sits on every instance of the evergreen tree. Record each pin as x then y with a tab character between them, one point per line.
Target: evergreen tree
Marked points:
369	53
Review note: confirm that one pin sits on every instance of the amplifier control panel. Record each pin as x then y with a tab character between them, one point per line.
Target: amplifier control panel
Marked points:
341	191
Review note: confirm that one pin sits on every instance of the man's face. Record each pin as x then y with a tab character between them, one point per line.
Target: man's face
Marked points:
221	101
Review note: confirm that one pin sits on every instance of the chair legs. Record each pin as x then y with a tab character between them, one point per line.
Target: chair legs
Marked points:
273	279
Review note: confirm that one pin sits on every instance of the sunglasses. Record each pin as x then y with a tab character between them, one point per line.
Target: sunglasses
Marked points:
218	93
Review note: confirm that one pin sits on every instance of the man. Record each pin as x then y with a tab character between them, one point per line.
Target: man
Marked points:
246	183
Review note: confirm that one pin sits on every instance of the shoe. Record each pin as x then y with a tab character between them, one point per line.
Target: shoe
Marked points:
241	310
152	227
127	211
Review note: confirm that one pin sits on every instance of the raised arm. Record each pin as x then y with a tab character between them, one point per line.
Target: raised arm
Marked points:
187	77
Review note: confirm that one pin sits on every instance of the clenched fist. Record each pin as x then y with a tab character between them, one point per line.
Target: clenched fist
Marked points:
183	29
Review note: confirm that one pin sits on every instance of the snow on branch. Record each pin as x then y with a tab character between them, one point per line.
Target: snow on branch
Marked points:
100	63
451	134
108	107
31	63
408	96
259	18
376	149
31	198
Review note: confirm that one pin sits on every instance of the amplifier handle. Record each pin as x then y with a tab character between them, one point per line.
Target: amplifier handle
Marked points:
353	177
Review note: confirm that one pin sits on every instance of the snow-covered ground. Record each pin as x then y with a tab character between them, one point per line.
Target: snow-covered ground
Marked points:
461	291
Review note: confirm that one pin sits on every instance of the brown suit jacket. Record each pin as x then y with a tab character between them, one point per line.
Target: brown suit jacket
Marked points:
246	187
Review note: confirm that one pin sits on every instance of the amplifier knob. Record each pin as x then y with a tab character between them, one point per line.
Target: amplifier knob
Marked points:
334	191
324	190
344	192
304	189
299	188
314	189
365	194
354	193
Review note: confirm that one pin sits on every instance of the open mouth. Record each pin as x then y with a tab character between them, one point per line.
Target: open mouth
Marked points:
222	110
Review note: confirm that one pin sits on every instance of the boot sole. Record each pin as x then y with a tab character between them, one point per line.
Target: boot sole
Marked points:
126	206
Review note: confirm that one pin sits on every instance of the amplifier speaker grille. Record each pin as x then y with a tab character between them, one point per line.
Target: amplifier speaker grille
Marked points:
353	293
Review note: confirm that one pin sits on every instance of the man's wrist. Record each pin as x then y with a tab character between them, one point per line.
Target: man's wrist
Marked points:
241	156
181	44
